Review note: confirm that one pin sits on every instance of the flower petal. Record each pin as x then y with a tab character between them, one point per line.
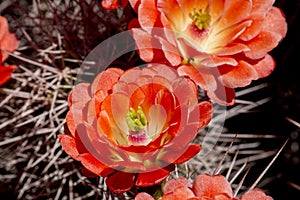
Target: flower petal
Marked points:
92	164
79	93
173	12
105	80
238	76
222	95
256	194
155	177
5	73
143	196
172	184
188	154
68	143
275	22
209	186
255	28
262	44
148	46
150	15
185	91
171	52
241	10
8	41
265	66
202	114
120	182
205	81
179	193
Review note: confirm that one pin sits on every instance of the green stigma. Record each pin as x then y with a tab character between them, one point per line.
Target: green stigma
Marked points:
200	18
136	120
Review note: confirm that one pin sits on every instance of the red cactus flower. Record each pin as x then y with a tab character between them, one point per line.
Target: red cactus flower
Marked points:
8	42
221	45
113	4
205	187
134	125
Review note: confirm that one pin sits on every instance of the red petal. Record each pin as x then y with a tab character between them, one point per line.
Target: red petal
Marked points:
8	41
3	27
262	5
275	22
265	66
225	37
202	114
179	193
188	154
241	10
92	164
143	196
161	69
187	6
172	184
255	28
149	48
75	116
205	81
173	12
155	177
113	112
239	76
68	143
224	197
5	73
231	49
256	194
262	44
223	95
120	182
206	112
215	61
149	15
88	173
185	91
134	23
216	10
79	93
209	186
105	80
180	144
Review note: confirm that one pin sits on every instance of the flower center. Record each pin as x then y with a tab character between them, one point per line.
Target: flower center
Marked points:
136	121
200	18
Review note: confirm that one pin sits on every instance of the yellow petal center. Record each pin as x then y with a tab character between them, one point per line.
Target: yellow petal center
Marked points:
136	121
200	18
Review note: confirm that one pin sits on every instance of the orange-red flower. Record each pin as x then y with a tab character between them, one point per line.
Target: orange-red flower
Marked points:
205	187
113	4
220	44
8	42
135	125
